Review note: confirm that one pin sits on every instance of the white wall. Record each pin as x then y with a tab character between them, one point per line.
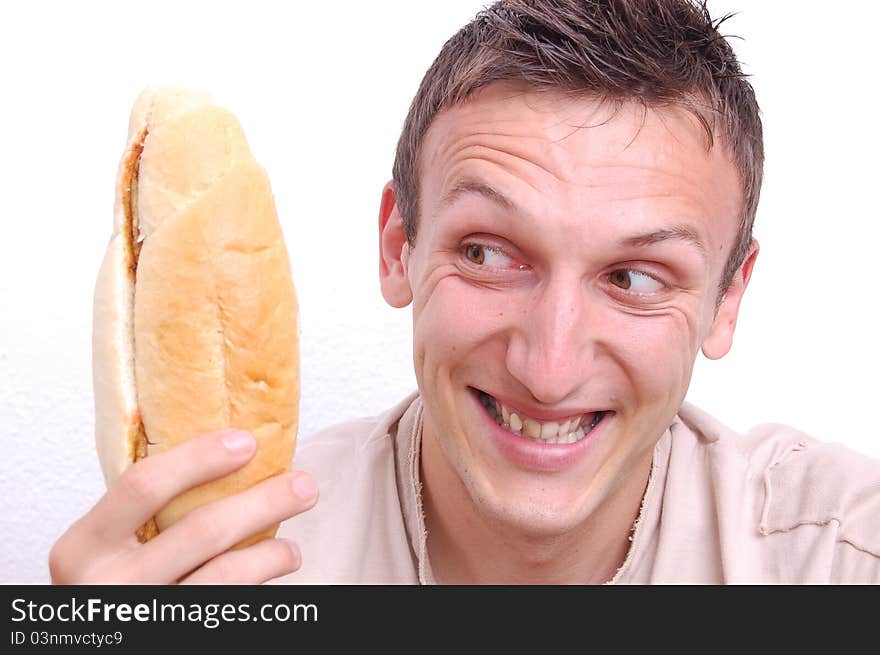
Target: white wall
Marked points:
322	98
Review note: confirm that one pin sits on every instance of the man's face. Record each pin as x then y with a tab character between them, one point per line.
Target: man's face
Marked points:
566	271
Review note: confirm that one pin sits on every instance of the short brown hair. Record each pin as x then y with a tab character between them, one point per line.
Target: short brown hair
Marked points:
657	52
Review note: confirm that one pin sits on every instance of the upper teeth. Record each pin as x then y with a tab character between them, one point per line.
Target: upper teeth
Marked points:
567	430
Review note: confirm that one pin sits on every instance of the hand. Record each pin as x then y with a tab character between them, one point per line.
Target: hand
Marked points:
101	547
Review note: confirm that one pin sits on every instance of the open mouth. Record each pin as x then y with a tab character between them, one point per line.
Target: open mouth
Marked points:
561	431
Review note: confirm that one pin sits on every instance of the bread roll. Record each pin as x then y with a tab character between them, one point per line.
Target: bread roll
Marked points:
195	315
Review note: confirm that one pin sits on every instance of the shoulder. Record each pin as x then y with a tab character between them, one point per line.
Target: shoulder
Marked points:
806	489
820	483
758	448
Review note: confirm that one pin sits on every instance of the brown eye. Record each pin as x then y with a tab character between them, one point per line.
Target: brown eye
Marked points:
636	282
621	279
475	253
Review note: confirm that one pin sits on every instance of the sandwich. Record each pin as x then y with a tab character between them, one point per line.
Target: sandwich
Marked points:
195	324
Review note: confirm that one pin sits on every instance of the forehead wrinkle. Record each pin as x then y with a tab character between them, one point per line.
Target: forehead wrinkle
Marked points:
456	149
497	146
559	169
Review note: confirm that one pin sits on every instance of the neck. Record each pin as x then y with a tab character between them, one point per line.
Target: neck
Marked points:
467	546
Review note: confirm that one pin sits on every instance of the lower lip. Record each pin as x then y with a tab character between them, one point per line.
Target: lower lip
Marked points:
528	454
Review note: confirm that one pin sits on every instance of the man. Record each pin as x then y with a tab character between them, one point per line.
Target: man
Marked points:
571	217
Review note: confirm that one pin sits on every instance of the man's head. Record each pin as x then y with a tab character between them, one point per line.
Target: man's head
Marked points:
571	245
654	52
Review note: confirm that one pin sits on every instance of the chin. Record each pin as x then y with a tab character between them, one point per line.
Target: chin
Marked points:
532	507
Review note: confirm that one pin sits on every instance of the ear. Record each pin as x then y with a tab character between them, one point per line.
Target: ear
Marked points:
720	339
393	251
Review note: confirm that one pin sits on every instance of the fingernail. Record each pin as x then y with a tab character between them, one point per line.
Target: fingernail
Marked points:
239	441
304	487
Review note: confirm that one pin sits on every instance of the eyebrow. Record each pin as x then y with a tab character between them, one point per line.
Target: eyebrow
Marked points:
680	231
467	186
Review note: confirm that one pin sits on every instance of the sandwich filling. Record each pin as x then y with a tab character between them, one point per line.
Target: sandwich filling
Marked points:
134	242
131	214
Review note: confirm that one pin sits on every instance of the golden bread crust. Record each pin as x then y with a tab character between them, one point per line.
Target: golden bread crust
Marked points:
212	319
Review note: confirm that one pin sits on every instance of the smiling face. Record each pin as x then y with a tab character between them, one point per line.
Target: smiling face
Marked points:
564	278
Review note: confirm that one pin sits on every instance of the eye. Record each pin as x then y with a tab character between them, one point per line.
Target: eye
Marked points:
489	256
635	281
475	253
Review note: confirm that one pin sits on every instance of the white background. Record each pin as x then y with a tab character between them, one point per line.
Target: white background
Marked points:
322	97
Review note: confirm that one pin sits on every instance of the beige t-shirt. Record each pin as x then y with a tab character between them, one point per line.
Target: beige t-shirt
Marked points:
773	506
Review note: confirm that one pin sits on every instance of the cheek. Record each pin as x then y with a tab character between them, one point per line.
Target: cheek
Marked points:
656	353
453	320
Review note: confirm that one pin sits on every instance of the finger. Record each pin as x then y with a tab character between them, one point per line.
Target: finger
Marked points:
150	484
270	558
214	528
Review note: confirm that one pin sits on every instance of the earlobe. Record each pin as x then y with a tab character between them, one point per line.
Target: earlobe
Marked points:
720	338
393	252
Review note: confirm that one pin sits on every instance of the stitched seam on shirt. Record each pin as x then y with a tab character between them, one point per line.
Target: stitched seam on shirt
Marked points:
873	550
866	550
870	550
768	485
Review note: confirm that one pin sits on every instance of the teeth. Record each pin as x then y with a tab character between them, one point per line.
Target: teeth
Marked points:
532	428
551	432
515	422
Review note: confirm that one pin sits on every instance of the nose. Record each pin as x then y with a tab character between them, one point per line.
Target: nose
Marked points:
550	349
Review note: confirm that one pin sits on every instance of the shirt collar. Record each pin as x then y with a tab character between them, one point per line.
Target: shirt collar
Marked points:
407	450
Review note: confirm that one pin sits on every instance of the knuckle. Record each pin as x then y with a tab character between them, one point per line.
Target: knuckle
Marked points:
129	568
67	565
139	482
204	525
274	497
223	571
207	446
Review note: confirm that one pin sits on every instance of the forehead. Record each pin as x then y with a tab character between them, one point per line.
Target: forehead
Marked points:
571	150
